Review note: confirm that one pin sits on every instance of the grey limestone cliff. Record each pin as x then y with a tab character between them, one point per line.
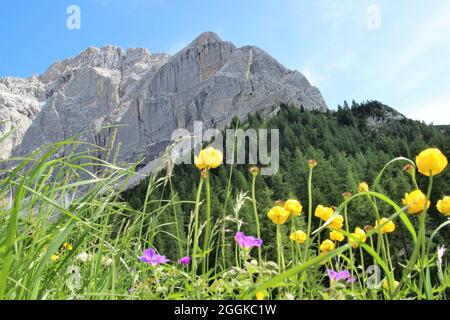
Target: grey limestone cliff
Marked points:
148	95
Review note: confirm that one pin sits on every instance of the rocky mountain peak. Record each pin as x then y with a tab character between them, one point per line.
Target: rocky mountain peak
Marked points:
375	113
149	95
205	38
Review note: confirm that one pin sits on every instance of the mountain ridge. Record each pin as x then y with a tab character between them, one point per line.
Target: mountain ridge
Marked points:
149	94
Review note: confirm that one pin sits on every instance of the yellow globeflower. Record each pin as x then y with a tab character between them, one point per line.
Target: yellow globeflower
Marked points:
260	295
386	284
327	246
54	257
443	206
337	223
294	207
336	236
323	213
416	202
208	158
431	161
360	235
298	236
387	228
278	215
68	246
363	187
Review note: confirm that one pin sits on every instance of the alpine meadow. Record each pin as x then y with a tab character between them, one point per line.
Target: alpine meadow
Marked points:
108	190
184	233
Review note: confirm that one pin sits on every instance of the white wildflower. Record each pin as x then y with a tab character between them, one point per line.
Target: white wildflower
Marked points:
84	257
290	296
440	252
107	262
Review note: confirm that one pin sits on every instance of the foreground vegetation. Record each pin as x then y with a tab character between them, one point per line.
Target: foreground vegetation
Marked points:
348	151
67	232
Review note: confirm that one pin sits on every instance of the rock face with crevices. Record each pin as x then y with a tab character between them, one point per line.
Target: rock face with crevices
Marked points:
20	102
148	95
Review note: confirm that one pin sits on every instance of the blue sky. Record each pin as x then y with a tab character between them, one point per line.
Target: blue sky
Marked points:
404	63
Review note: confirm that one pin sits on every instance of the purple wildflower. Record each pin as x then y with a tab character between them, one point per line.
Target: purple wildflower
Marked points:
152	258
247	242
337	276
351	280
185	261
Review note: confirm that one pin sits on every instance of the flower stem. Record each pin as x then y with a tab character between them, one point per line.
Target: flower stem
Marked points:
196	222
388	251
423	263
309	214
281	265
308	232
380	240
363	268
255	212
293	255
205	264
278	249
347	229
175	215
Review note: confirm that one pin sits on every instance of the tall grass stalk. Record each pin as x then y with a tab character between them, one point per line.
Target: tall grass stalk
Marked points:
255	213
233	152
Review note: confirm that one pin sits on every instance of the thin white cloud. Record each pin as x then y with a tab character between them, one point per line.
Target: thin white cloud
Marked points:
436	111
431	35
413	74
343	63
312	75
342	12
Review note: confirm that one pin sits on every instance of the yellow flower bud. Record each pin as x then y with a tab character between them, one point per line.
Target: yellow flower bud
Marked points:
363	187
68	246
337	223
327	246
298	236
336	236
346	195
208	158
443	206
410	169
312	163
54	257
386	284
260	295
278	215
254	170
431	162
324	213
416	202
294	207
360	235
387	228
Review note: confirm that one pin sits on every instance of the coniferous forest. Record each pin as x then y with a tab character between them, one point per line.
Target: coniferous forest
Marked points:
349	149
